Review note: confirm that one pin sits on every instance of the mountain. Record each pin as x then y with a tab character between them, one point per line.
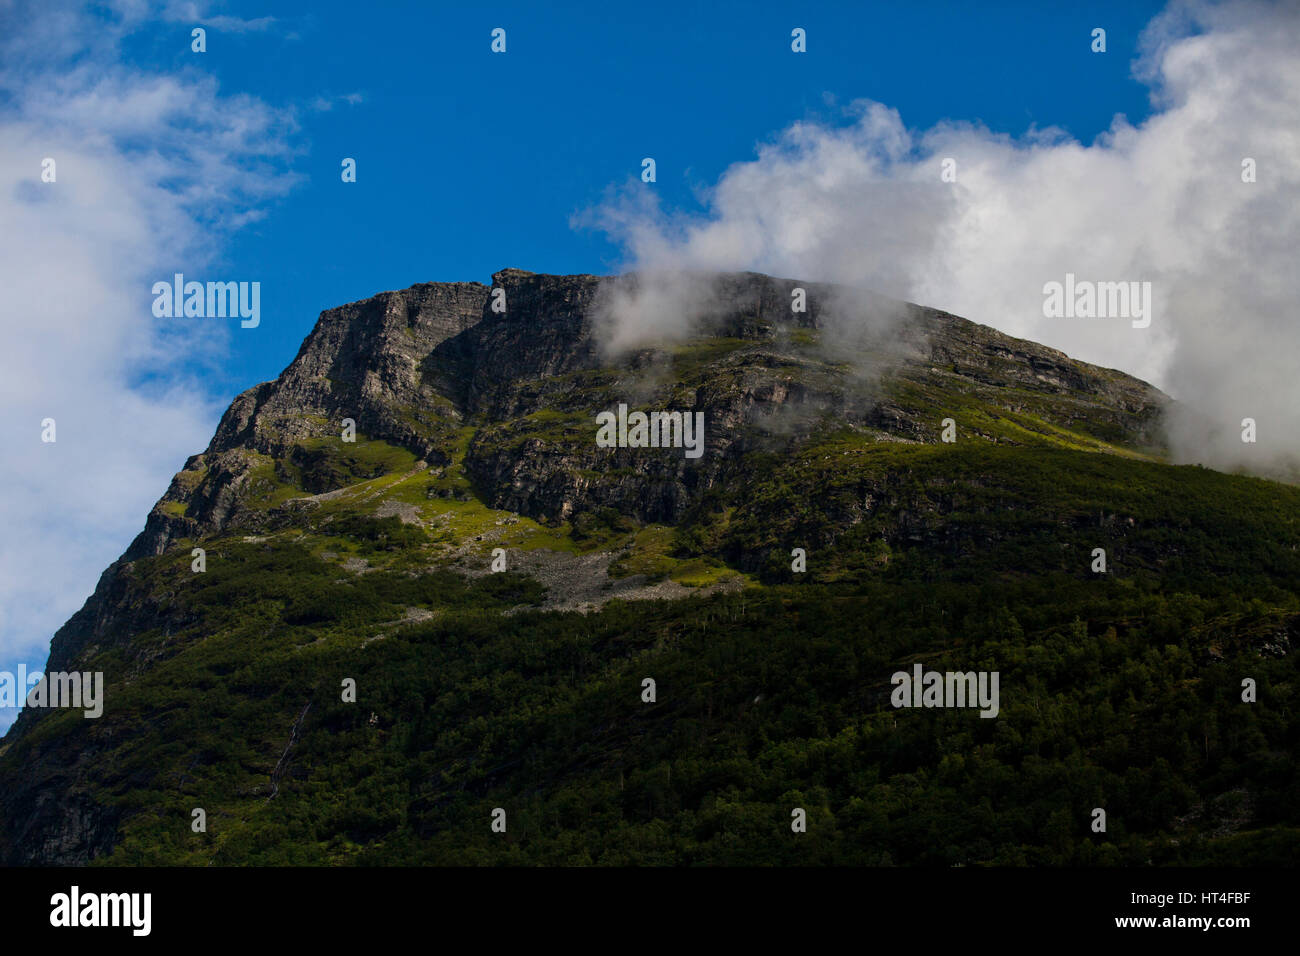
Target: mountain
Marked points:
499	585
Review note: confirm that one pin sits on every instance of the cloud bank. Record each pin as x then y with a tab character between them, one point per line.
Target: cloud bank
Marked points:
152	173
865	203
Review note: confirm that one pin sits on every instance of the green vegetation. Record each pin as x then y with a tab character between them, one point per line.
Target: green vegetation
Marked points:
1120	690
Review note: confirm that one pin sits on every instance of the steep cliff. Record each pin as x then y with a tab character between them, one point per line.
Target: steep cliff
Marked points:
412	367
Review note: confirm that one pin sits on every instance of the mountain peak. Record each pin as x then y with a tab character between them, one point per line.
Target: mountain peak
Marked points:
505	275
418	367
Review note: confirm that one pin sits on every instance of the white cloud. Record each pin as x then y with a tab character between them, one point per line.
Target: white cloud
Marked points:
863	204
187	11
153	171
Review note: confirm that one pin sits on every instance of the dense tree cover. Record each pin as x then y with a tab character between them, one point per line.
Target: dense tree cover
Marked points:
1121	691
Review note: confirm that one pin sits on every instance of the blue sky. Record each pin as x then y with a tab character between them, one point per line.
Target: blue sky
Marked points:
225	165
470	161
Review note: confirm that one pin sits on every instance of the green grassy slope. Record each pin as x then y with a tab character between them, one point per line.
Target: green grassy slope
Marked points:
1120	691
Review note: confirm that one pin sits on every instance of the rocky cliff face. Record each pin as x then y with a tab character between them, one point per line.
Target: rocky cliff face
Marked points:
411	367
362	361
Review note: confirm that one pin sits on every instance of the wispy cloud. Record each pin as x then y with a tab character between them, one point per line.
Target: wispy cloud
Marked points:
327	102
186	11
